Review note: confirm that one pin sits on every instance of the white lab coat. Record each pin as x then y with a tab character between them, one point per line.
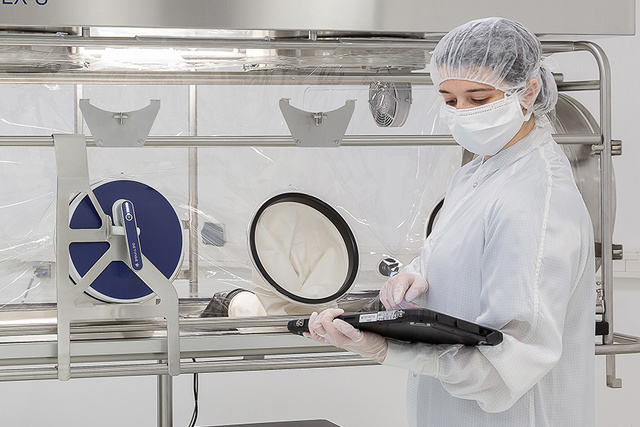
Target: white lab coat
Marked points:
513	250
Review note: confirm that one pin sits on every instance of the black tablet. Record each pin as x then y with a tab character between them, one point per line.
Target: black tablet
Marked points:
415	325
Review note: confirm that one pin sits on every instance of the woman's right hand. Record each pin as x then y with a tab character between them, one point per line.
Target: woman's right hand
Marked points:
401	290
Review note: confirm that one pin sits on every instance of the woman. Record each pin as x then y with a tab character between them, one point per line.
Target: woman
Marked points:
512	250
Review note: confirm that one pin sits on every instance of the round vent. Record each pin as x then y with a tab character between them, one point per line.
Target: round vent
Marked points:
389	103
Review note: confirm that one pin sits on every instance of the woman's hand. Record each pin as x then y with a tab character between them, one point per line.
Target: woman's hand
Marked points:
401	290
325	328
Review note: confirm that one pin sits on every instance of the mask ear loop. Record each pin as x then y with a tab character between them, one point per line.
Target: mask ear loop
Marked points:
520	91
517	93
527	116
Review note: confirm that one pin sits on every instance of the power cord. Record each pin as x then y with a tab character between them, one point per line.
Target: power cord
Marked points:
194	416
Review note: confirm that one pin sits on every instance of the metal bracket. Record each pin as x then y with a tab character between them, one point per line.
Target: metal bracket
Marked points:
612	379
616	148
73	179
321	129
119	129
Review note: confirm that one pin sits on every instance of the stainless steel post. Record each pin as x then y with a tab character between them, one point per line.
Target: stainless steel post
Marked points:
193	194
606	179
78	124
78	91
165	401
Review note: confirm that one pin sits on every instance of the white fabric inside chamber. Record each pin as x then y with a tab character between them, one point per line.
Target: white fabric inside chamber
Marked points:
246	304
301	250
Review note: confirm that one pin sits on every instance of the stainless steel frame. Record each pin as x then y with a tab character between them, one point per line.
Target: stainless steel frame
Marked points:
135	347
606	172
73	178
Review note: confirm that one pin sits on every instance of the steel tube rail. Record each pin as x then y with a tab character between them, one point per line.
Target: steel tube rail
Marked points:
193	194
237	43
79	77
375	140
606	173
165	400
578	85
267	43
145	369
210	324
550	47
623	344
610	350
208	78
285	141
213	366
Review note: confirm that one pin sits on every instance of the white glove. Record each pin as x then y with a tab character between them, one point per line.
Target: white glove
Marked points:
400	290
325	328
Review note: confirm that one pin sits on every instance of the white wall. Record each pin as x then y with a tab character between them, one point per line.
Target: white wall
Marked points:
349	397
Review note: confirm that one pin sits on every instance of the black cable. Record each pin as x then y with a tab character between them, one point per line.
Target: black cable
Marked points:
194	416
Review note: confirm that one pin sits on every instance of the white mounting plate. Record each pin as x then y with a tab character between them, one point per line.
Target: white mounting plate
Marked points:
123	129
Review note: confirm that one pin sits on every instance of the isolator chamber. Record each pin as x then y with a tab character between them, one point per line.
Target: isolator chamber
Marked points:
230	201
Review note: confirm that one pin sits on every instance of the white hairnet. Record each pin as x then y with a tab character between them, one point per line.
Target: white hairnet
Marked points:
498	52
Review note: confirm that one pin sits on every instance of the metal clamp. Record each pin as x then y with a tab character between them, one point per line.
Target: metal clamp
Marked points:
616	148
118	129
319	129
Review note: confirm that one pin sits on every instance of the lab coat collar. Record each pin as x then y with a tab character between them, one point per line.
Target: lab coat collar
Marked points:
512	154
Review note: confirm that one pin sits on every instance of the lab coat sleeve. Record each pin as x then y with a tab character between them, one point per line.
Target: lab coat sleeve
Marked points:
535	252
414	267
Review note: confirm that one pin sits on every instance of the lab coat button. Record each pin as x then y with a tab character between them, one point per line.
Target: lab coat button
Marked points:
475	184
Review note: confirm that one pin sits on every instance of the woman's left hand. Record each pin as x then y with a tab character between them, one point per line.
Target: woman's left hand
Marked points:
325	328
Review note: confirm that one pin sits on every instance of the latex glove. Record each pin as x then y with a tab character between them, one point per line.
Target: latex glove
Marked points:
401	290
324	327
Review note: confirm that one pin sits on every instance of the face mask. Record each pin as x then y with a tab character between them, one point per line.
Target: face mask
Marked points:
486	129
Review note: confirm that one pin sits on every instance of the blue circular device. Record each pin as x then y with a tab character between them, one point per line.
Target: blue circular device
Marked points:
160	240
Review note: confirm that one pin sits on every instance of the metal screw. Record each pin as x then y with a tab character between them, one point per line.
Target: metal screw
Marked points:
121	117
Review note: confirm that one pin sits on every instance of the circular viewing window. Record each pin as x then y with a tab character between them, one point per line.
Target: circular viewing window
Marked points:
303	248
